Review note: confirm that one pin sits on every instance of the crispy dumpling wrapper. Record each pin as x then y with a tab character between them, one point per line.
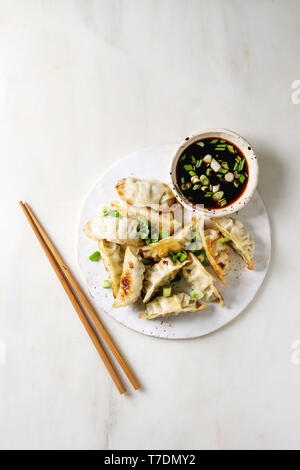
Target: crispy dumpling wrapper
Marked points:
201	280
158	275
179	241
112	255
114	229
132	277
163	221
218	252
171	306
146	193
239	237
210	253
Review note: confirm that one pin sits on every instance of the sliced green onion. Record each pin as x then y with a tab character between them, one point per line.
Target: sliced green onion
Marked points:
209	194
201	258
193	246
167	291
196	294
164	234
229	177
201	144
183	157
115	213
237	175
192	173
224	239
105	211
143	235
218	196
198	163
95	256
106	284
236	165
182	255
173	256
241	165
195	187
214	141
207	158
195	179
143	228
188	167
182	180
220	148
236	184
204	188
230	148
223	202
193	159
238	159
148	241
246	174
223	170
242	179
225	165
204	180
215	165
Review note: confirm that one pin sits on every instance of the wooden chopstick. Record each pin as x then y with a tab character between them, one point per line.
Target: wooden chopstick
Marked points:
81	296
83	317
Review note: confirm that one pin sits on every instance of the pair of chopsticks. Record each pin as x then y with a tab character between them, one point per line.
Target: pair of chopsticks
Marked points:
79	300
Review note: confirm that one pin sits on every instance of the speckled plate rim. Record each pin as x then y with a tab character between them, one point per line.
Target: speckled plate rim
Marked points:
247	150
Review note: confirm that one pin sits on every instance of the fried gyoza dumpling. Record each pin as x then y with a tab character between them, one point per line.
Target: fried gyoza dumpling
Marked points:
131	279
179	241
163	221
160	274
210	253
171	306
201	280
149	193
218	252
112	255
239	237
114	229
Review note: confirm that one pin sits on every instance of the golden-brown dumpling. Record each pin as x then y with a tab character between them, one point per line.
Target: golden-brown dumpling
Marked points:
131	279
171	306
240	238
218	252
114	229
160	274
162	221
201	280
179	241
112	255
141	193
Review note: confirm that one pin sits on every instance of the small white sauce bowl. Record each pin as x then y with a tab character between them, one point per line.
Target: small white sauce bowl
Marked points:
253	168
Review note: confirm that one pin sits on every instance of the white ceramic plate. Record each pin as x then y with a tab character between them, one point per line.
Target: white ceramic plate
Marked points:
243	284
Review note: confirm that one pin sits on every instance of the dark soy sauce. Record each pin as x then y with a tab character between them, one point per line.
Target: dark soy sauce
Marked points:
213	172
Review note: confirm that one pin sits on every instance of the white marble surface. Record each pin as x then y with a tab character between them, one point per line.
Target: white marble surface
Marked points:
81	84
